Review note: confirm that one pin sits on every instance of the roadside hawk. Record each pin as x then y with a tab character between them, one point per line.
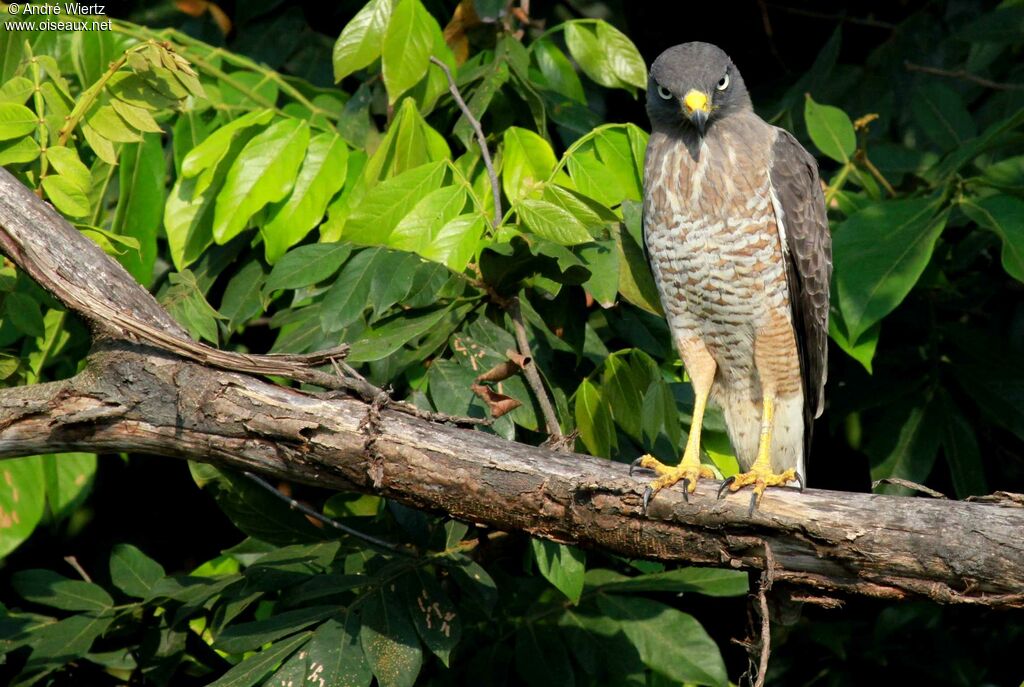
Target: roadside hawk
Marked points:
738	240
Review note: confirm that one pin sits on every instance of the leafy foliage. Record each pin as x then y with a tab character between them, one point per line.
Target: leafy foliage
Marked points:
271	214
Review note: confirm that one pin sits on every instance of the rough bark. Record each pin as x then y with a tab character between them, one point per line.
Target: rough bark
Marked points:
142	397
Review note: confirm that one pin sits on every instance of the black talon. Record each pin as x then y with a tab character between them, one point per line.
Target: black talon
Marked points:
725	485
686	489
635	464
753	505
800	481
648	493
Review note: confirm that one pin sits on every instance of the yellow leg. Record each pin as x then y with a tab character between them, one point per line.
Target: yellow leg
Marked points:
701	367
760	473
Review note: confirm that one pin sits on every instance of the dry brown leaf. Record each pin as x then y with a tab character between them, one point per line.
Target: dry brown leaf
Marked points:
499	404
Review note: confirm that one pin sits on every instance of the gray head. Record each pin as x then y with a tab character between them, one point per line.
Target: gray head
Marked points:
694	85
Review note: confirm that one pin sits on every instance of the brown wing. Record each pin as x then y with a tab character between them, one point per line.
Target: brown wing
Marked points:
800	210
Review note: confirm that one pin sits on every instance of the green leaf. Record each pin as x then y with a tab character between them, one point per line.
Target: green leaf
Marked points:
67	640
707	581
624	382
252	509
551	222
906	445
24	313
243	296
22	497
69	478
1002	214
242	637
264	172
635	281
66	195
602	259
255	668
942	115
669	641
105	121
387	203
16	121
659	415
408	40
960	446
435	616
389	640
541	658
307	265
347	298
415	231
456	243
140	204
212	150
863	349
67	163
594	420
185	301
389	335
607	164
528	161
409	143
360	41
605	54
489	85
563	566
333	656
558	71
321	176
16	90
133	572
831	130
879	254
474	581
50	589
1002	25
18	151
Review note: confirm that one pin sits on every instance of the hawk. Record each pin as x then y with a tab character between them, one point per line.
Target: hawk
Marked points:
738	241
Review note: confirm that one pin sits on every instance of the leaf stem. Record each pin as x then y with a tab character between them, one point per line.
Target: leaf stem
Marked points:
480	138
837	184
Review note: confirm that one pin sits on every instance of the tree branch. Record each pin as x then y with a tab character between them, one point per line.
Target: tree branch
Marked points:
136	398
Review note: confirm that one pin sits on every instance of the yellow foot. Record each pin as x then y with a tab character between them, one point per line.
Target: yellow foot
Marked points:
761	479
686	472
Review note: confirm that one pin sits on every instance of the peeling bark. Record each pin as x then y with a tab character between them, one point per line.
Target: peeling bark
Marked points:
157	398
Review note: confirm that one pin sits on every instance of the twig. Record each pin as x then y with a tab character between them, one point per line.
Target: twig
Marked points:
480	138
73	562
533	377
306	510
963	75
868	21
907	484
766	630
862	157
764	585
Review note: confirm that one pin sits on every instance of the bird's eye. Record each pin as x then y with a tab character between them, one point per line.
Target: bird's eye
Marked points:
724	83
664	93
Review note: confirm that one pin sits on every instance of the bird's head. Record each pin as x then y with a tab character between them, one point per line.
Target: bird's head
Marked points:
694	85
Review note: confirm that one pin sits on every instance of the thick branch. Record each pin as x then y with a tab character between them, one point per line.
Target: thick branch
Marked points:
132	397
136	399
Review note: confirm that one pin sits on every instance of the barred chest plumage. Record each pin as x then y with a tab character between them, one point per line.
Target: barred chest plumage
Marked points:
709	226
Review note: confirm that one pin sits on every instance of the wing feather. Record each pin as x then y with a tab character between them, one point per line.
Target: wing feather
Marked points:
803	226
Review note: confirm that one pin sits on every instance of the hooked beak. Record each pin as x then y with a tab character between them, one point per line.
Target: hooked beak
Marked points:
697	108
